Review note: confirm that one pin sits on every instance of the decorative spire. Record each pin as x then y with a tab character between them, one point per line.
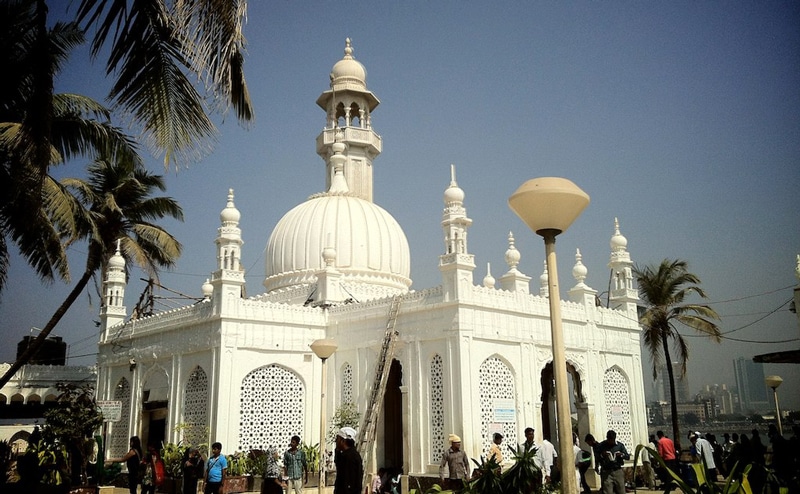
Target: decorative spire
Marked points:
348	49
230	215
544	285
618	242
488	280
512	254
338	182
207	289
329	252
579	271
453	195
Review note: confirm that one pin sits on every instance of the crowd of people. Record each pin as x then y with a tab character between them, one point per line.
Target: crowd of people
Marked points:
719	459
289	471
774	460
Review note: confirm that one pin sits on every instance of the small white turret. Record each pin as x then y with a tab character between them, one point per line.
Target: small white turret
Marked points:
514	280
228	279
113	311
622	295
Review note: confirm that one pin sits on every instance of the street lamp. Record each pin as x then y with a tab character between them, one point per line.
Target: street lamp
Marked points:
322	349
773	382
548	206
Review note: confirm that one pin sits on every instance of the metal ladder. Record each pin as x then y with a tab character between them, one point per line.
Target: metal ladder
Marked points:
383	365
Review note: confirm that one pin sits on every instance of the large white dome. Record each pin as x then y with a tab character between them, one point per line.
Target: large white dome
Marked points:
371	247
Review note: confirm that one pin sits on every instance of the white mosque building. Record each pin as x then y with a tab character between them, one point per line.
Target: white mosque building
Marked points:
470	359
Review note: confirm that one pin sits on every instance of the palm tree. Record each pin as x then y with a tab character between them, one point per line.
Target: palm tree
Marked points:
114	204
664	289
154	46
40	129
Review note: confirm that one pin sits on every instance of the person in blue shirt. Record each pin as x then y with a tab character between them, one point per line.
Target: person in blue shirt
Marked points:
216	468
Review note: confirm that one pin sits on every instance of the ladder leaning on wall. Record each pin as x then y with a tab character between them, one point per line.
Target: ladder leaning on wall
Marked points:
369	427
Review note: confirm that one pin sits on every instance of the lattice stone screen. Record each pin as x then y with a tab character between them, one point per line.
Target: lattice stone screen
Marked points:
496	390
347	384
618	409
436	407
272	408
195	408
120	439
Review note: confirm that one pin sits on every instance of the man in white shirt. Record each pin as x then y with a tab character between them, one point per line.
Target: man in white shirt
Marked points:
545	456
705	452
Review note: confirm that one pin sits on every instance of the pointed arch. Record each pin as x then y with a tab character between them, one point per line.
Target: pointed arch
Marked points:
616	392
436	408
497	392
272	407
195	408
118	443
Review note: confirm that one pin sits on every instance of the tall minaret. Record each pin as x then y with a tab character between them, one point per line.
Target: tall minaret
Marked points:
348	106
622	294
228	278
113	311
456	264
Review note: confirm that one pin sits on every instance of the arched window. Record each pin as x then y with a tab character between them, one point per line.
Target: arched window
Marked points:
272	408
618	410
195	408
498	401
120	439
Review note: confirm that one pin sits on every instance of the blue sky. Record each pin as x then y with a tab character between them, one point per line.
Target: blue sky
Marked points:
682	119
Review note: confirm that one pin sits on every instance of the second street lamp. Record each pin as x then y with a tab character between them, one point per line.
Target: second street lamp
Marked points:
548	206
773	382
323	349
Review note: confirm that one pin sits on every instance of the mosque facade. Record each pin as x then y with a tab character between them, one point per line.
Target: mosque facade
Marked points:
470	358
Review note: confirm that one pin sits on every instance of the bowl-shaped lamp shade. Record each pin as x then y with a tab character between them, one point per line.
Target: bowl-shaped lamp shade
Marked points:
323	348
773	381
548	203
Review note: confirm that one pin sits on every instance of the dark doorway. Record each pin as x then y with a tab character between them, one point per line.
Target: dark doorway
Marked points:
549	422
154	425
393	419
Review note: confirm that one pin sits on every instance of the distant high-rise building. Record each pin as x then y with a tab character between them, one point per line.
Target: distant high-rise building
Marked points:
750	384
681	384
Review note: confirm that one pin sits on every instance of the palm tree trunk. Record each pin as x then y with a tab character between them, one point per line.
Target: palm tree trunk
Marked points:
43	334
673	401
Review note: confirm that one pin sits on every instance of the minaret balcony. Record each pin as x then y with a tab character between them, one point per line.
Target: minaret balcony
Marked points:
353	136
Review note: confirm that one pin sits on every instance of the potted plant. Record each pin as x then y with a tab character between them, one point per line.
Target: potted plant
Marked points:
256	465
312	462
172	456
237	479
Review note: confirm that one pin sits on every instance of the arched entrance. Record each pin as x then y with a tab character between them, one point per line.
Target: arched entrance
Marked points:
577	403
390	440
155	400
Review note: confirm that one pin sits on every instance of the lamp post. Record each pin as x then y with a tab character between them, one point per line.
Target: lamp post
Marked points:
773	382
323	349
548	206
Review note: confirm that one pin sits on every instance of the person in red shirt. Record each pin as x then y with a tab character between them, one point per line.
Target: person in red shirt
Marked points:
666	450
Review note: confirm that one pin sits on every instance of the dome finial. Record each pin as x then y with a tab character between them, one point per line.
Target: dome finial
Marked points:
453	194
348	49
618	241
230	215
